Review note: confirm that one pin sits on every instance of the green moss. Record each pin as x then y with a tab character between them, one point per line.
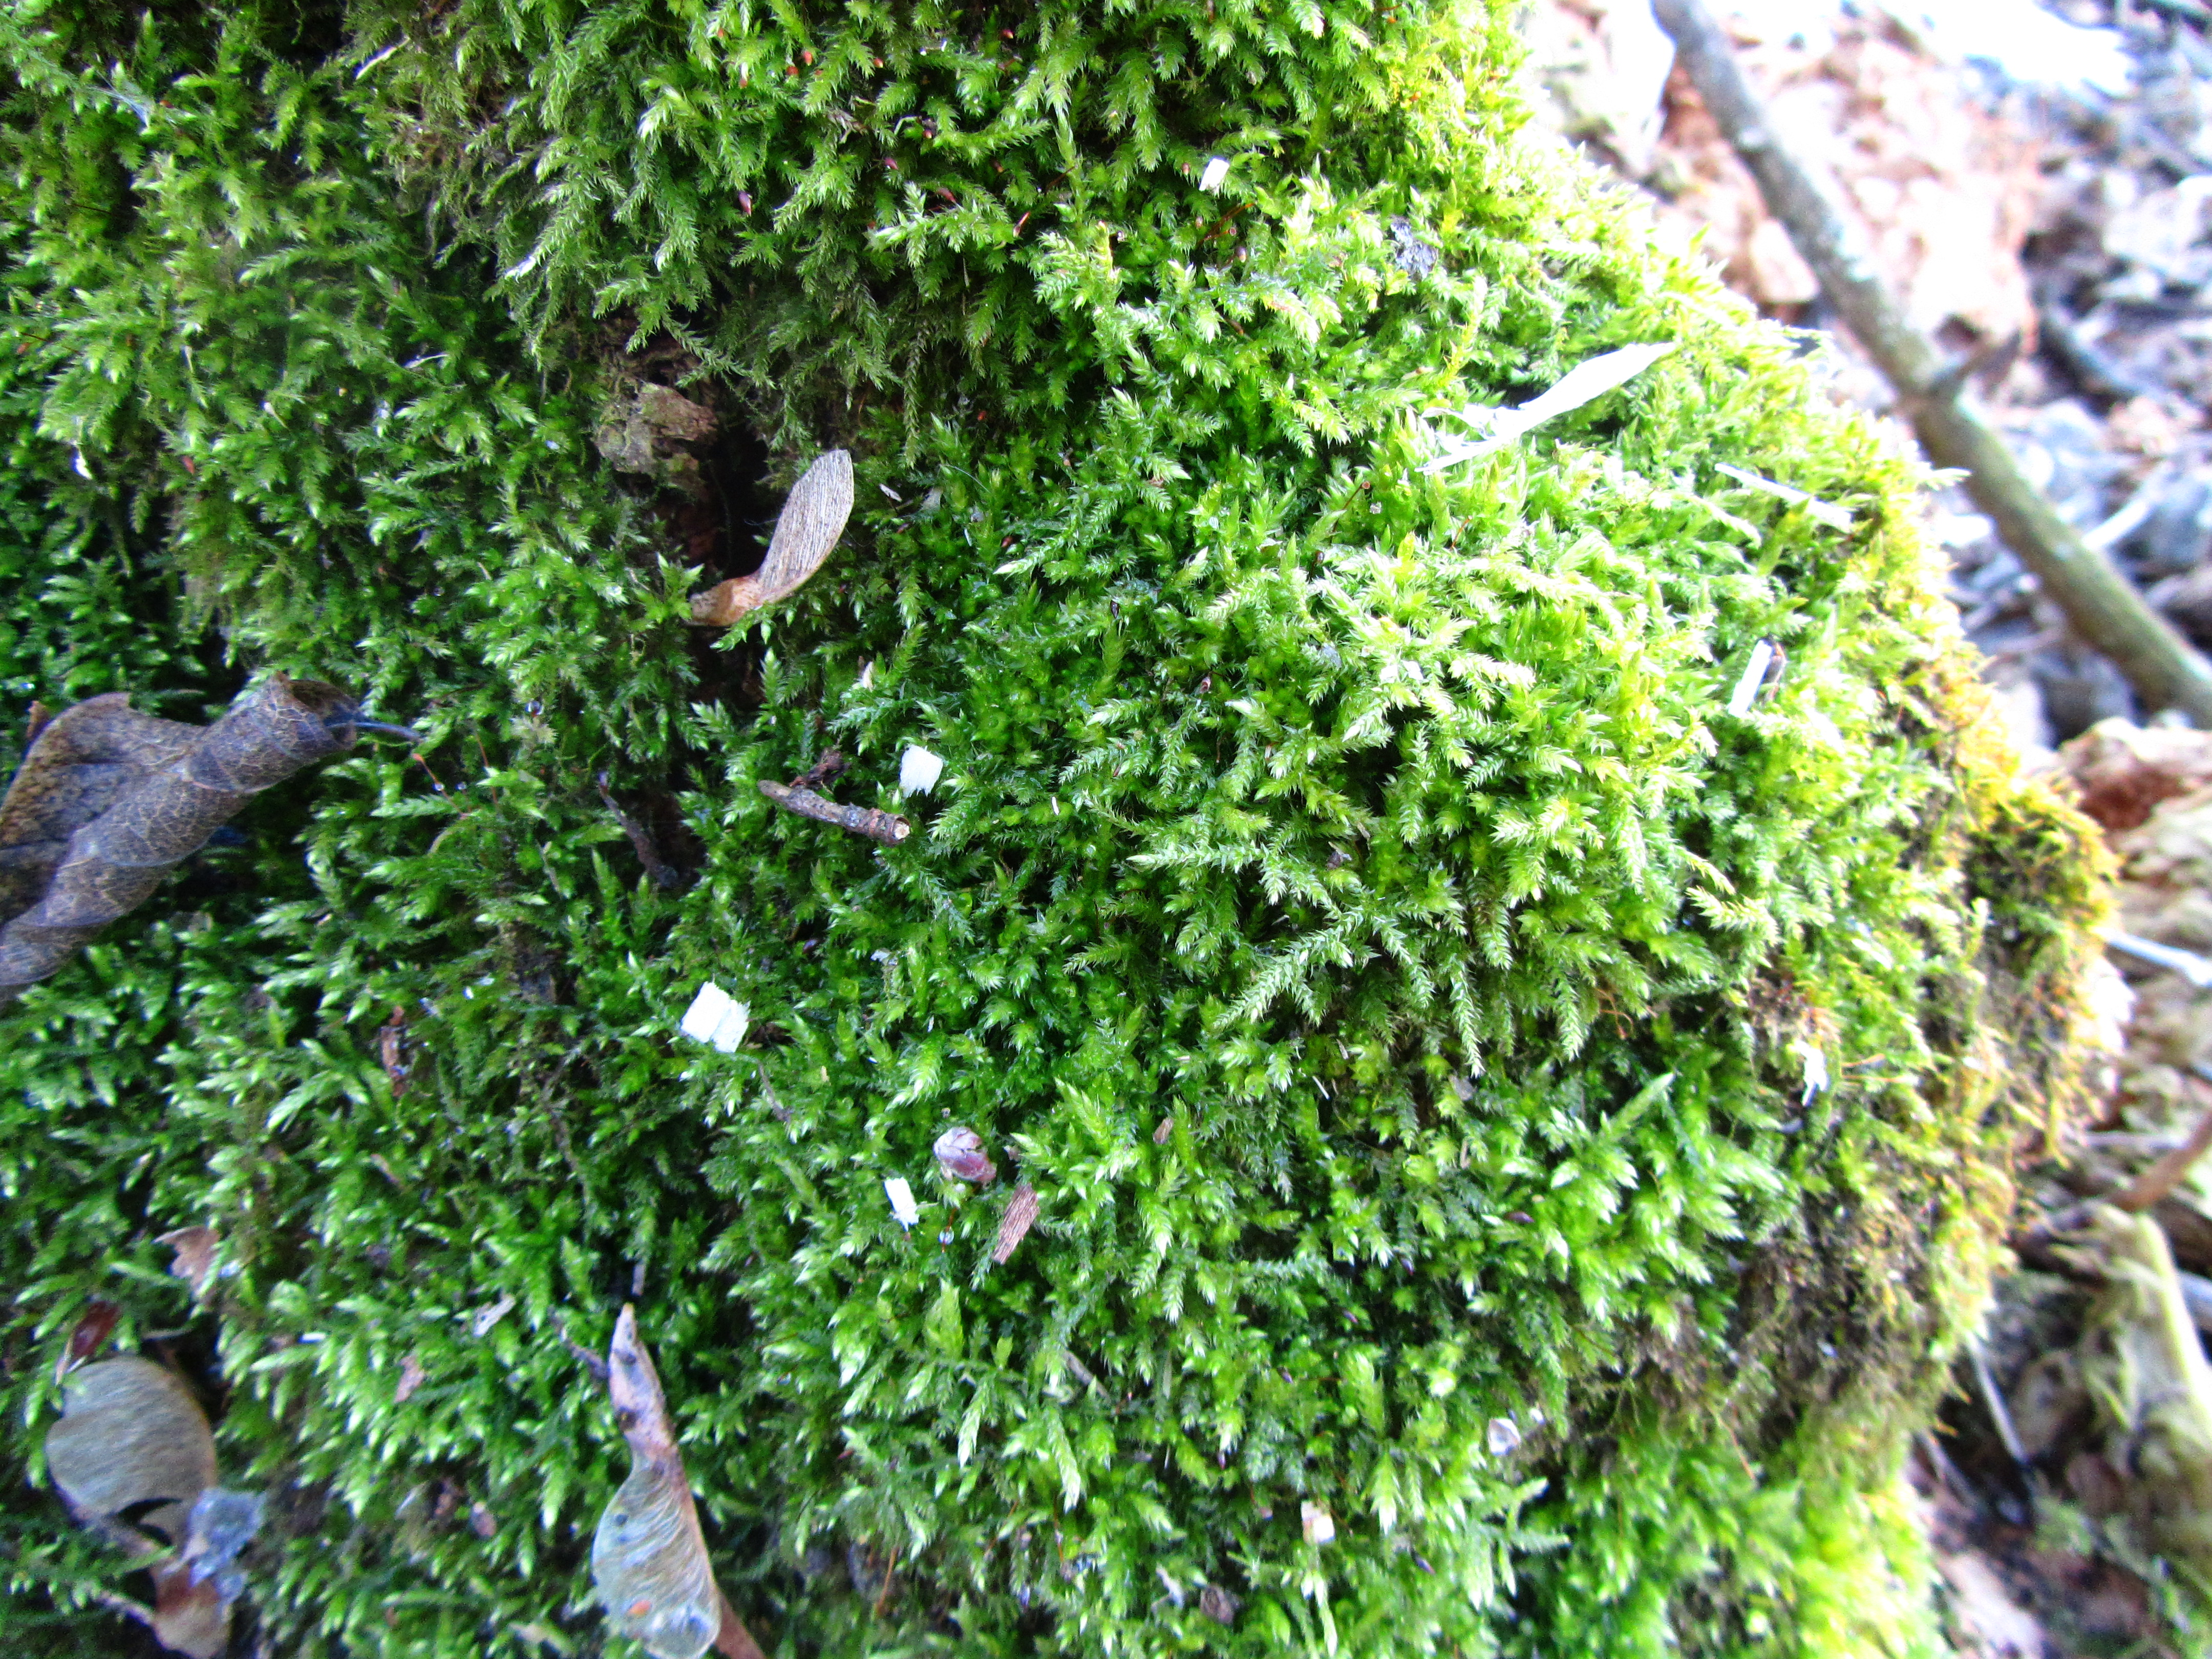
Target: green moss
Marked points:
1347	895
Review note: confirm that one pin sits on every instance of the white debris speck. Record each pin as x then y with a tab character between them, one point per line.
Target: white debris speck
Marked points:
1816	1068
1754	676
904	1210
893	494
714	1017
1319	1525
1503	1436
1495	428
1827	512
919	771
1216	173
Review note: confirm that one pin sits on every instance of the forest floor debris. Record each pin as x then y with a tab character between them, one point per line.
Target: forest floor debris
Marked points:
2039	195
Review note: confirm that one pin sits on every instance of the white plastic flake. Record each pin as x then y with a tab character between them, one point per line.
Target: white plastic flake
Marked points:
1754	676
919	771
1319	1525
1216	173
714	1017
1816	1069
1585	383
903	1208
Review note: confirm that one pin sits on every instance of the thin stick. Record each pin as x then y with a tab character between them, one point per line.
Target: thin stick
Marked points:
2103	606
1994	1401
2162	1177
886	827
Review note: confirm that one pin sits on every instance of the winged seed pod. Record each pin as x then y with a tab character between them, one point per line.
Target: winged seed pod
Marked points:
649	1562
808	527
108	801
132	1438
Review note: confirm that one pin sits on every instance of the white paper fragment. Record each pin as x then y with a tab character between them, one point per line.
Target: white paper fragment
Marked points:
1827	512
904	1210
1501	1436
489	1316
1754	676
919	771
1816	1068
1319	1525
1586	382
1216	173
714	1017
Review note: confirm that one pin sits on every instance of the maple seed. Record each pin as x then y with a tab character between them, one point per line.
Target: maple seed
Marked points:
108	801
960	1153
131	1438
649	1562
808	528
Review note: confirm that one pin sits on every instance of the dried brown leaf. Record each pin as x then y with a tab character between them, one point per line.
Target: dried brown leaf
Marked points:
189	1618
1014	1226
194	1259
811	521
93	1329
411	1377
108	801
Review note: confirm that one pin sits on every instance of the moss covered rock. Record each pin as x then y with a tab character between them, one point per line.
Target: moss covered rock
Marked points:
1512	1138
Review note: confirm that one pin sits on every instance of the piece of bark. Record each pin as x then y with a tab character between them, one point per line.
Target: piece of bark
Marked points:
2100	604
886	827
649	1561
108	801
1021	1214
811	520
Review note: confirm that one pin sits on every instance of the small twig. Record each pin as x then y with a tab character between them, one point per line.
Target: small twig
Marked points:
658	869
886	827
115	1601
831	763
2104	607
2144	1192
1994	1401
883	1596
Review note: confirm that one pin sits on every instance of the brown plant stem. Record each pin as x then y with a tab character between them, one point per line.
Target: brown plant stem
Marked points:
2102	605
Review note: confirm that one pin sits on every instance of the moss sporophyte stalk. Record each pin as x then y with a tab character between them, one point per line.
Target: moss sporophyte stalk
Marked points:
1380	957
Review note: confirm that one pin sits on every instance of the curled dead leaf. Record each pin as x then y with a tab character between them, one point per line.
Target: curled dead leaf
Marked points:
808	528
195	1255
960	1151
108	801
